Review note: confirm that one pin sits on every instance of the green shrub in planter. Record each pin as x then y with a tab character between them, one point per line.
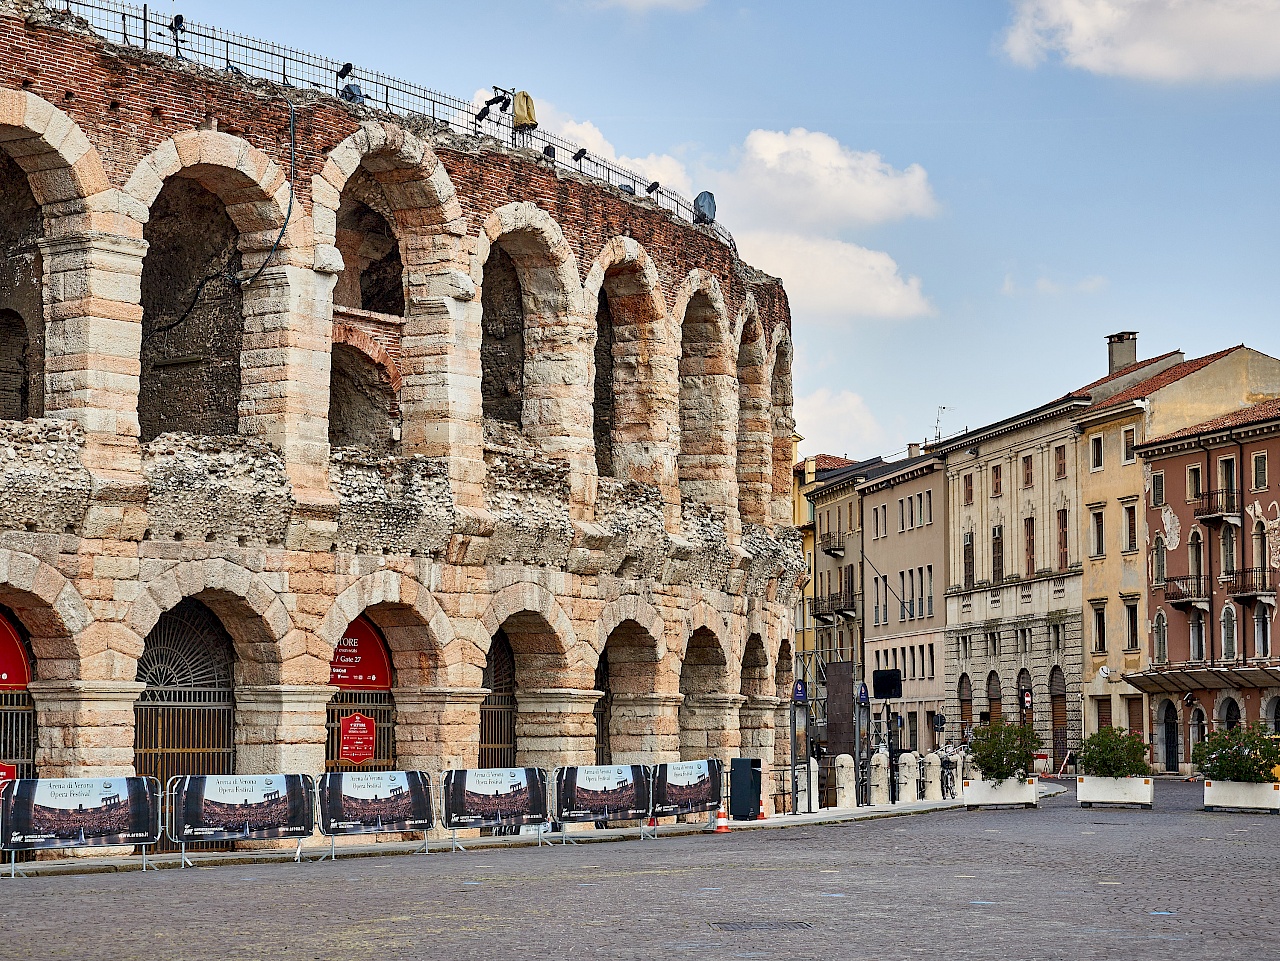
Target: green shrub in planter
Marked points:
1245	754
1001	751
1113	753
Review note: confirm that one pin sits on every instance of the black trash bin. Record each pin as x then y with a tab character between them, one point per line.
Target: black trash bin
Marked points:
744	789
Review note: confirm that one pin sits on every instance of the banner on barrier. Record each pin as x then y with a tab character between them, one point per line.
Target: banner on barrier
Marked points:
360	802
241	807
487	797
602	793
79	812
685	787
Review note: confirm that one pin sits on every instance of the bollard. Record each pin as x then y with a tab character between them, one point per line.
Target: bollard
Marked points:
932	777
879	778
908	771
846	781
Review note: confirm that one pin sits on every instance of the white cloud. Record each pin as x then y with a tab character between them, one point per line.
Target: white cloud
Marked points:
805	177
838	423
664	168
647	6
1048	287
829	279
1161	40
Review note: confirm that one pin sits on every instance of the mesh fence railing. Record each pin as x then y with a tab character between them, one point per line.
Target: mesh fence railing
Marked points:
139	26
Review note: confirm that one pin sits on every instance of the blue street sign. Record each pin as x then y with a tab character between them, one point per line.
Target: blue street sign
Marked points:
801	694
863	696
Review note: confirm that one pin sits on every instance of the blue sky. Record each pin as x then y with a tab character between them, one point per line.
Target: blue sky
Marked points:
962	198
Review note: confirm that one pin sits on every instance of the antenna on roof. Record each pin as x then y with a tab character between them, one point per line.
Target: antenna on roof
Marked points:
937	424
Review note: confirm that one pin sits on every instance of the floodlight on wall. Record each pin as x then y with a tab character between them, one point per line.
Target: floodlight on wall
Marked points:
652	188
352	93
494	101
549	151
581	152
627	189
345	72
483	113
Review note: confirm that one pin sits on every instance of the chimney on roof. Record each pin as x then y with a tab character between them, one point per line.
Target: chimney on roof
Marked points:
913	450
1122	350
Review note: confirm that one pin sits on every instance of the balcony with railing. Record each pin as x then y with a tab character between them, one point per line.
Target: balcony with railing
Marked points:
844	603
832	543
1250	582
1217	504
1187	590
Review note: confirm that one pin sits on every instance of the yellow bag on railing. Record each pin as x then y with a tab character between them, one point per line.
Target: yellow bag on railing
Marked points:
525	117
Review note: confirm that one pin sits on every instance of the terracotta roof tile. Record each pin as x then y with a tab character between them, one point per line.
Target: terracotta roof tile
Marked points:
1121	372
1256	414
1166	377
827	462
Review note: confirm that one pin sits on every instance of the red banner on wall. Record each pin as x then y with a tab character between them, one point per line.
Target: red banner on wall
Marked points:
15	671
359	741
361	662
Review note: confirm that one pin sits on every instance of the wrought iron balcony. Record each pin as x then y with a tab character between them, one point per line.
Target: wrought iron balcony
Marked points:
832	543
1250	582
1186	590
1218	504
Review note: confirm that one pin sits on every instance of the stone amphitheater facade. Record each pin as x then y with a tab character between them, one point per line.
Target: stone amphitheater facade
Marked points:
428	380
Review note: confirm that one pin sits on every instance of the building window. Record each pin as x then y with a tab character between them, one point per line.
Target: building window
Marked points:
1261	632
902	595
968	560
1157	490
875	585
902	515
968	489
911	513
1131	527
995	480
1196	632
1063	559
875	523
1229	633
1095	452
1130	441
1159	561
1029	545
1228	548
928	506
1060	461
911	594
997	554
1194	488
931	665
1099	629
1161	632
1055	637
1028	471
1131	626
1260	471
930	570
1227	473
920	510
1099	533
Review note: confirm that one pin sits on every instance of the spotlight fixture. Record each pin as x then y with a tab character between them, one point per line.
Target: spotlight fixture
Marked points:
549	151
506	104
494	101
483	113
652	188
345	72
352	93
627	189
582	152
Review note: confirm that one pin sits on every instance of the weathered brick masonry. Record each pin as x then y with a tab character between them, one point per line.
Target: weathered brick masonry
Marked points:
263	393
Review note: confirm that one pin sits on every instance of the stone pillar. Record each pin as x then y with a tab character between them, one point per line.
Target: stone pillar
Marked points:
85	728
645	728
280	728
438	729
932	777
879	778
846	781
908	773
556	727
709	726
93	339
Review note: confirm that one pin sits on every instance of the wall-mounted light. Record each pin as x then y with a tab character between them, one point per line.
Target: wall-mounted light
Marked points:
581	152
652	188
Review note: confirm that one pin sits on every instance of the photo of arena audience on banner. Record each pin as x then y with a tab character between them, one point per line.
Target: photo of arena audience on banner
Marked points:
79	812
495	796
356	802
685	787
242	807
602	793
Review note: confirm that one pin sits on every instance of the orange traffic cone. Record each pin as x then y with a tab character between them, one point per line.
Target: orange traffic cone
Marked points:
760	816
722	821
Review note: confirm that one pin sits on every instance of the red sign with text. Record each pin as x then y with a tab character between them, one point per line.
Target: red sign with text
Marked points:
361	662
15	671
359	741
8	772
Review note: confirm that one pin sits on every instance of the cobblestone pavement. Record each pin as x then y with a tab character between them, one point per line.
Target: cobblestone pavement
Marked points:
1055	883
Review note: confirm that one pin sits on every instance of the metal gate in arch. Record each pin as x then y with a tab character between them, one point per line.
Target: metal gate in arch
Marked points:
17	710
361	670
498	710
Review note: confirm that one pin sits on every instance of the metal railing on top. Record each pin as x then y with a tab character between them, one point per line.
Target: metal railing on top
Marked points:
139	26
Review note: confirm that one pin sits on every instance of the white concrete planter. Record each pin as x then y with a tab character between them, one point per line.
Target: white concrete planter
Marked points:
978	793
1092	790
1240	794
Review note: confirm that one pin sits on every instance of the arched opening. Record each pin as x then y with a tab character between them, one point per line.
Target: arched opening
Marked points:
628	667
184	720
1058	715
1259	558
361	669
192	315
755	719
1195	632
1197	728
1262	631
21	296
755	432
1229	632
704	682
602	424
502	348
498	710
17	710
1160	634
784	676
784	425
964	693
372	278
1231	714
705	460
1195	556
1024	684
363	409
995	710
1169	722
1273	715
